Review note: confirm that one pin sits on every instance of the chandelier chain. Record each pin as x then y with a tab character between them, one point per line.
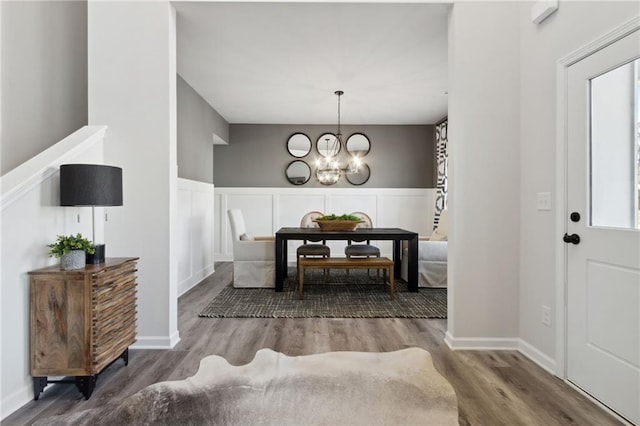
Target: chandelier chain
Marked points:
338	113
339	93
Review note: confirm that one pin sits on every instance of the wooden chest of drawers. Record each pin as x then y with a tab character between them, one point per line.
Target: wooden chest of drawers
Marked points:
81	321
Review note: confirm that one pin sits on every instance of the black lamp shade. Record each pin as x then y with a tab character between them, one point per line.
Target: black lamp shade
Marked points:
90	185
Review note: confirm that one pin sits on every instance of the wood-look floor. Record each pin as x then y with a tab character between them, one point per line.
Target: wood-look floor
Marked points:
493	387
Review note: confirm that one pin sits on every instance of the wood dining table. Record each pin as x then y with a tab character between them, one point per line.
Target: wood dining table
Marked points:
396	235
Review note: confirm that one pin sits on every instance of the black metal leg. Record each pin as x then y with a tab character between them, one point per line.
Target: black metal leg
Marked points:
412	260
397	258
280	263
285	256
86	384
39	384
125	357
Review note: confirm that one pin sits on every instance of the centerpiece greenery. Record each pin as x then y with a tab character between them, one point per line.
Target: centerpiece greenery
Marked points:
341	217
332	222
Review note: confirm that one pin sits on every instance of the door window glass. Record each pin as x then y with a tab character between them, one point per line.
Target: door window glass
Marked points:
615	148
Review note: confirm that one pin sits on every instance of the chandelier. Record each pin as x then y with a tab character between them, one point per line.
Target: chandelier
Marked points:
327	168
328	171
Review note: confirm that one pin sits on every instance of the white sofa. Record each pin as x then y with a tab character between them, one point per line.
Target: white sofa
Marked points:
432	257
254	260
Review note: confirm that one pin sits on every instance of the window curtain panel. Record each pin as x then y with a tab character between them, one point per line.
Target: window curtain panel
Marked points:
442	168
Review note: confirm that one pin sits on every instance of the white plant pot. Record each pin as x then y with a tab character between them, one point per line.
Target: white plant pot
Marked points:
75	259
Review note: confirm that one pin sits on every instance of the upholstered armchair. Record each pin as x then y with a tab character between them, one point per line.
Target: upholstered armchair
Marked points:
253	257
432	256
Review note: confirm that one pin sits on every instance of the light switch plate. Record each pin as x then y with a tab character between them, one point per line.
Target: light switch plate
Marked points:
544	201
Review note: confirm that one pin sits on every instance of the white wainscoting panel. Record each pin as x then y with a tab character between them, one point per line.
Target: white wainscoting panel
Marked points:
268	209
196	216
291	208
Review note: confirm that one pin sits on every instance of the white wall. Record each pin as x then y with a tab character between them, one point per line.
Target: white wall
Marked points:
266	210
195	233
483	174
574	25
31	219
199	125
132	87
44	76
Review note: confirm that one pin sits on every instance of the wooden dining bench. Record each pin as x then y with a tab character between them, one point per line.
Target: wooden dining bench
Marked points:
346	263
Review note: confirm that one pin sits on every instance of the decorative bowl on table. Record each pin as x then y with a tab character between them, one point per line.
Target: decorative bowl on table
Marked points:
338	223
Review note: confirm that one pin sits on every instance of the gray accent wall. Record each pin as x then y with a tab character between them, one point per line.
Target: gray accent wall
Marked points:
44	76
198	122
400	156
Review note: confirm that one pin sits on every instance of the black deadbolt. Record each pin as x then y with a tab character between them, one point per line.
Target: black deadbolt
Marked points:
575	217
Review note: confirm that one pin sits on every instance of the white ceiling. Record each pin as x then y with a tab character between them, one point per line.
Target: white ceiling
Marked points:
280	63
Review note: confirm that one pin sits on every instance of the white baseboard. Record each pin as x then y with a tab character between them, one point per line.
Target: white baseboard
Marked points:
175	339
448	339
15	400
502	344
195	279
481	343
537	356
156	342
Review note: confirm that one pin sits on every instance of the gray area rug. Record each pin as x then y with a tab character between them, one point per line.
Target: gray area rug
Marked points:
332	388
356	296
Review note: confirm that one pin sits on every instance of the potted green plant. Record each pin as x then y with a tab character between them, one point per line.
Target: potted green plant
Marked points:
71	250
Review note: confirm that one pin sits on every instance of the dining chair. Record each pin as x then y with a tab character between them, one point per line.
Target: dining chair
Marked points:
362	250
308	249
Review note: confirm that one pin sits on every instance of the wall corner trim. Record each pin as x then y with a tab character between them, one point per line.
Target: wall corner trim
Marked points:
156	342
541	10
537	356
217	140
36	170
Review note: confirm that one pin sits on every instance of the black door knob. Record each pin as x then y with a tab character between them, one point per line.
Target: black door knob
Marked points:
573	238
575	217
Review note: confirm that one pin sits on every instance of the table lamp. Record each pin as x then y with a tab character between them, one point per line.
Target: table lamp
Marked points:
94	185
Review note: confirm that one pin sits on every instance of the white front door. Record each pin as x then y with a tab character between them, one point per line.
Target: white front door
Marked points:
603	194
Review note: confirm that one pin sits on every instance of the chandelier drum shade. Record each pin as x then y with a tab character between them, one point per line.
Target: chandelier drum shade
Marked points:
91	185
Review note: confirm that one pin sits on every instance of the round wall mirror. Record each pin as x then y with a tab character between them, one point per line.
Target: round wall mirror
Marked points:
328	145
299	145
361	176
298	172
358	144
